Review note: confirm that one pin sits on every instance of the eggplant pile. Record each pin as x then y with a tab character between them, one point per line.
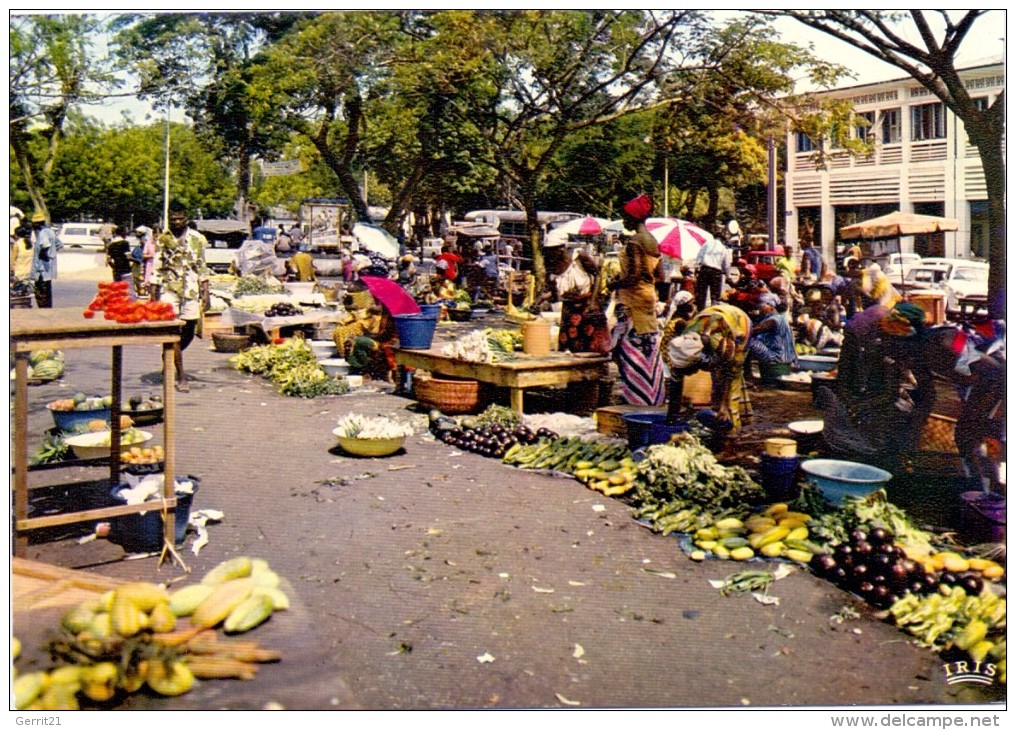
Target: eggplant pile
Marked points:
489	439
283	309
872	566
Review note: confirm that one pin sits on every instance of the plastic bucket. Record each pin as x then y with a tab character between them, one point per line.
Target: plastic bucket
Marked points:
778	446
650	428
536	337
415	331
983	516
779	477
139	533
430	310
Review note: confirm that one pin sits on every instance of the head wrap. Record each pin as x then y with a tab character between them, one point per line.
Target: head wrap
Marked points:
38	217
778	284
912	313
639	208
770	299
682	297
685	350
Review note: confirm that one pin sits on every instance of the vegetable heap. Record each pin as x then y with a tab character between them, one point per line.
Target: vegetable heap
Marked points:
356	425
254	284
292	366
115	300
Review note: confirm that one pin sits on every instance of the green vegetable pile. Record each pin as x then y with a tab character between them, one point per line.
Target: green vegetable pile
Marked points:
252	284
293	367
503	341
498	416
865	513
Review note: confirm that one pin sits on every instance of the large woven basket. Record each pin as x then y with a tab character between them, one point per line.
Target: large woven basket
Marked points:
451	396
939	434
229	341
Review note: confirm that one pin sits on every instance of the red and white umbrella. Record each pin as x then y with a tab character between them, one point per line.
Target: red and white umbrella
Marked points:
677	238
588	226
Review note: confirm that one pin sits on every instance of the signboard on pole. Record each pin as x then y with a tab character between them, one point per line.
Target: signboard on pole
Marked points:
283	167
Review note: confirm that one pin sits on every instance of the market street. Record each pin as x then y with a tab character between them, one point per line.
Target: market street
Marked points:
435	579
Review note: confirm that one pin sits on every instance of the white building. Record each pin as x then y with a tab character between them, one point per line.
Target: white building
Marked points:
923	163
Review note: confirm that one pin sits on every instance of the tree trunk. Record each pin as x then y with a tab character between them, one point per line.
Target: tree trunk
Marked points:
993	163
19	142
709	222
533	234
243	181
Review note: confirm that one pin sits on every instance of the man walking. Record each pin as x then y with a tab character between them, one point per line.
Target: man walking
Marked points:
713	264
43	271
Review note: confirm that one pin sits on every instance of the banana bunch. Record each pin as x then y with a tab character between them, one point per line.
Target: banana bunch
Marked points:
775	533
609	476
58	689
803	348
953	619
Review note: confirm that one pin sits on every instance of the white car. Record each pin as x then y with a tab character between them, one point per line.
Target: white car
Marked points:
899	265
958	278
80	235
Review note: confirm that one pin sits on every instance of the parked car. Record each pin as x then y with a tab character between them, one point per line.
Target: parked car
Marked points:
762	264
80	235
958	278
897	265
225	236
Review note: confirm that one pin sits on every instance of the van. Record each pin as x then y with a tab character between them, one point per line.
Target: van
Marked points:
80	235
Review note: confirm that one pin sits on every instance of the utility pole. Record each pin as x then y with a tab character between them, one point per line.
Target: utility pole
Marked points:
165	206
771	193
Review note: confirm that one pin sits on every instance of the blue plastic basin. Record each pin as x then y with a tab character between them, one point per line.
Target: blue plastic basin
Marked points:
645	429
837	479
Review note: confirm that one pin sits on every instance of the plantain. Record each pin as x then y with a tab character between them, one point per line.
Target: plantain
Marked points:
145	596
28	688
185	600
250	612
169	678
126	619
240	567
280	601
221	602
161	619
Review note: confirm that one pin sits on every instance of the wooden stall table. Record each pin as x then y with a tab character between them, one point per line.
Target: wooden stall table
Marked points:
66	329
526	371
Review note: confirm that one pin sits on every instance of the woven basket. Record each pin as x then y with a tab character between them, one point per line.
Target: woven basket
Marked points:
229	341
939	434
451	396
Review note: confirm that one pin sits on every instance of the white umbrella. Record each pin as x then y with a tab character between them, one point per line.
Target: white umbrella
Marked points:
588	226
376	239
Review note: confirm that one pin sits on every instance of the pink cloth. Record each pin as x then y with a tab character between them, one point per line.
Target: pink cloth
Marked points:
639	208
148	256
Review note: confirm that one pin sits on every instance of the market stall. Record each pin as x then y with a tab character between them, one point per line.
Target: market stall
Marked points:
523	371
65	328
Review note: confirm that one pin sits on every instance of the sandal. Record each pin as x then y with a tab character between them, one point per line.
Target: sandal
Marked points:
182	387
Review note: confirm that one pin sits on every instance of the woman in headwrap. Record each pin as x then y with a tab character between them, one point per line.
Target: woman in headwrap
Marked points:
772	341
715	339
635	340
365	337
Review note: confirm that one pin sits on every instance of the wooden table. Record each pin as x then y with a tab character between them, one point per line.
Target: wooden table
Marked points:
65	329
526	371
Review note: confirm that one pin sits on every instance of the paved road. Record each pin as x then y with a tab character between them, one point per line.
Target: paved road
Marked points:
434	579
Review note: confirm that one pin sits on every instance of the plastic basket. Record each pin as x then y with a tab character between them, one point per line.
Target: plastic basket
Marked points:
229	341
415	331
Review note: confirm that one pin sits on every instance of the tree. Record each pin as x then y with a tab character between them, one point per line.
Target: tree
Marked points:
205	62
52	70
558	72
933	65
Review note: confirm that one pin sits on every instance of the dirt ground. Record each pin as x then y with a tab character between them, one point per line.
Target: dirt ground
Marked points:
434	579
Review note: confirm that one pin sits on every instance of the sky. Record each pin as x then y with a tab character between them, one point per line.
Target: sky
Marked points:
985	42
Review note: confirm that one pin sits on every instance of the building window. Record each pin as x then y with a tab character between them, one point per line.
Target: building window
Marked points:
928	121
891	130
980	103
863	131
804	143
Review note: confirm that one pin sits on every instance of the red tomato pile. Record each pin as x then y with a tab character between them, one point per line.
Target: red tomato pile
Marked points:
115	301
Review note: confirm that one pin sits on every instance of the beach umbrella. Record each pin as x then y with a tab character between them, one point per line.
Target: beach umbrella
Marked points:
588	226
377	239
390	294
677	238
898	224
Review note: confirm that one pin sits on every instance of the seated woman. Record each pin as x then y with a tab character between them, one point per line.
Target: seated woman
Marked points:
365	337
772	342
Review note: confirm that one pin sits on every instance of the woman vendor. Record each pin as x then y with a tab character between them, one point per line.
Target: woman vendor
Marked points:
678	315
366	336
772	341
573	283
635	340
715	339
